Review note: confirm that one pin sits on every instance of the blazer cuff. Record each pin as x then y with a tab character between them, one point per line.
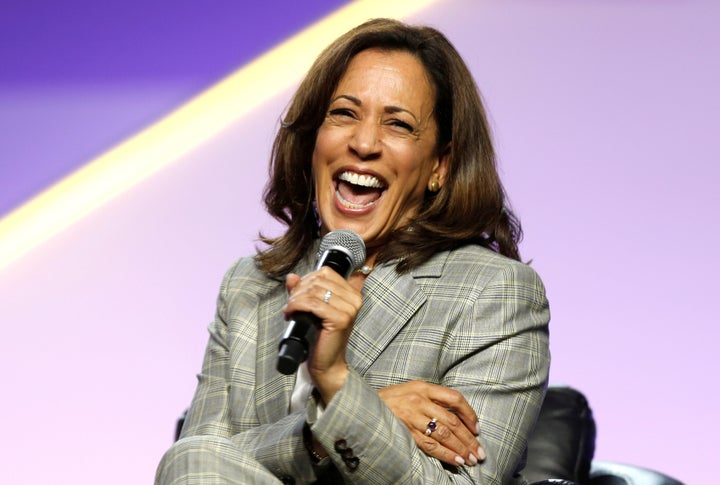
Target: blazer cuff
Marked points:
361	434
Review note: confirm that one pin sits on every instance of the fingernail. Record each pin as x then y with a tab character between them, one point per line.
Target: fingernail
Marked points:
459	460
472	459
481	453
477	427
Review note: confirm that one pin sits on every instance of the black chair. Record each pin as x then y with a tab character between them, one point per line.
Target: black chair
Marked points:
563	444
561	449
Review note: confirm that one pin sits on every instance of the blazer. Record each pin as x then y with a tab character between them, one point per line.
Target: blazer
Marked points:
469	319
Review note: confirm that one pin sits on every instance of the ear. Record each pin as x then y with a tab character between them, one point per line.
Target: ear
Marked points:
441	165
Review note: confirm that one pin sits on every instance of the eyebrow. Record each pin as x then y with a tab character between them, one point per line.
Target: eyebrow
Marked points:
388	109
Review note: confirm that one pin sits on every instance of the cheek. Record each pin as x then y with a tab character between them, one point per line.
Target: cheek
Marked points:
318	158
416	166
328	148
326	142
322	180
416	176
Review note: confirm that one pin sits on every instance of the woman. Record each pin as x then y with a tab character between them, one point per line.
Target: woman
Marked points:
431	363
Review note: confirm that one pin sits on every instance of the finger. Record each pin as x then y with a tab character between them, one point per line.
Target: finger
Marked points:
434	448
318	282
291	281
415	403
327	296
333	314
456	402
406	407
468	438
450	433
410	399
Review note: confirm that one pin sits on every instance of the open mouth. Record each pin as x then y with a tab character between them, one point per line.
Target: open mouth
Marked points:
356	191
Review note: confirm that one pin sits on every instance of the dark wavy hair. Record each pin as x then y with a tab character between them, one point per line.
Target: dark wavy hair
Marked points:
471	206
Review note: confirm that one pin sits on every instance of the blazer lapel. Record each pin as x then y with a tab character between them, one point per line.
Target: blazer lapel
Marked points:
390	300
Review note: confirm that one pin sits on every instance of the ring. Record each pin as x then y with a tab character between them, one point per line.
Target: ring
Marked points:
327	296
432	426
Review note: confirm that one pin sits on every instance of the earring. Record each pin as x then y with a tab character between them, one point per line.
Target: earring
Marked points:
434	186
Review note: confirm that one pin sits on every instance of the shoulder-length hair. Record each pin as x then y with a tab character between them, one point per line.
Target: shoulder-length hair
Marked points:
469	209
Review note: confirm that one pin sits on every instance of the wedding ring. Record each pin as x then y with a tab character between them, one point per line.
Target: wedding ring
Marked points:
327	296
431	426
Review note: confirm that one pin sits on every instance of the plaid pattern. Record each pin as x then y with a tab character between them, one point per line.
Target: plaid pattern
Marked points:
467	319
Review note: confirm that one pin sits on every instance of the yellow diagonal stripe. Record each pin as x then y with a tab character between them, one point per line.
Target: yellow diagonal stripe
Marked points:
166	141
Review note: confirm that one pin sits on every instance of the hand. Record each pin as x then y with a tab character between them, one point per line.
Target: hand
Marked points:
453	441
326	362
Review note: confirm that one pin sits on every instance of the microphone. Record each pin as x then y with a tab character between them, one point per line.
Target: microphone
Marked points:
342	250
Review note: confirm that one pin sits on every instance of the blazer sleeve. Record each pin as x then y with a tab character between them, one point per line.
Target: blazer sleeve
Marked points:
277	446
501	364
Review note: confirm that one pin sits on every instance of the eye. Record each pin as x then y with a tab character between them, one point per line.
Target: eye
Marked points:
401	125
342	112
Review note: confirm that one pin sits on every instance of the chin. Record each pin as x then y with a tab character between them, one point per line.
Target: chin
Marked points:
334	224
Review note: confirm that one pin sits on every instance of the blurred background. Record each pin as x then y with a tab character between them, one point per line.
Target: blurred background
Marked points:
603	113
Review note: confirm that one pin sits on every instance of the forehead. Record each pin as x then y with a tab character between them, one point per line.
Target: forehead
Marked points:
387	73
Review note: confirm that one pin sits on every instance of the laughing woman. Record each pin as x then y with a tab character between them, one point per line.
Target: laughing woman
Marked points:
431	363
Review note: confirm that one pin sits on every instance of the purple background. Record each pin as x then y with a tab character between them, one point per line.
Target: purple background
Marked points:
79	76
603	114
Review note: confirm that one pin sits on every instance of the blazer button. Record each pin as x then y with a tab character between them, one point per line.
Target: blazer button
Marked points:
340	445
352	463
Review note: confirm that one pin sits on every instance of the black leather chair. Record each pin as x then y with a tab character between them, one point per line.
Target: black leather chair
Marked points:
561	449
563	444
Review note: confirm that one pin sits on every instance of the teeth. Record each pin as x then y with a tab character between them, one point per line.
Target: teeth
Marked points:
361	180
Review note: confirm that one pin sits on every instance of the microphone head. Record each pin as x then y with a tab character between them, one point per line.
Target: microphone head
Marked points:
348	241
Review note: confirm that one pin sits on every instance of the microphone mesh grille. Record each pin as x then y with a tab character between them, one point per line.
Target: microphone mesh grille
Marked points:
347	239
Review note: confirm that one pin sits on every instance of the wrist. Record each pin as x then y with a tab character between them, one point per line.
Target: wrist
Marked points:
328	383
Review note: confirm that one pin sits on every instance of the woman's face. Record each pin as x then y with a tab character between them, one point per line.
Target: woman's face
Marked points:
375	151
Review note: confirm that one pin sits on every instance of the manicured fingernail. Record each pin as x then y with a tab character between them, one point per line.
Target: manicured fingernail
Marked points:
459	460
477	427
472	459
481	453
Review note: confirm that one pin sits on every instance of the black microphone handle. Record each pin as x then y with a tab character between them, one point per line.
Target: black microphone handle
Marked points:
301	332
303	328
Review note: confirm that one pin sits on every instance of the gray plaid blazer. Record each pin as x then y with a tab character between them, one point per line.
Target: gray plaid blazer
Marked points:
468	319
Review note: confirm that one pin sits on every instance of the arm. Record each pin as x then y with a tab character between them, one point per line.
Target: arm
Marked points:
505	380
230	359
497	358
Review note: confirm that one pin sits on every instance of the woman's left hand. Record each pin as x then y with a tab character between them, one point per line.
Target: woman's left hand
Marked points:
335	302
423	406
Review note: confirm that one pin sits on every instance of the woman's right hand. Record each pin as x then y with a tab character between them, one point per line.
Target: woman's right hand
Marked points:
453	441
335	302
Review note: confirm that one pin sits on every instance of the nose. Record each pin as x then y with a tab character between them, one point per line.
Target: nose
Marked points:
365	140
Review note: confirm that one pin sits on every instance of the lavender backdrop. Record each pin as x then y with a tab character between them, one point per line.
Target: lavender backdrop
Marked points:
603	113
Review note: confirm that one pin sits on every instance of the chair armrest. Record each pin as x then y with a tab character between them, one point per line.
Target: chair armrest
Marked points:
611	473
